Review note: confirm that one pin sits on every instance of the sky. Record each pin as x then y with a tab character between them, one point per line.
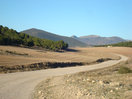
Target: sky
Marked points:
70	17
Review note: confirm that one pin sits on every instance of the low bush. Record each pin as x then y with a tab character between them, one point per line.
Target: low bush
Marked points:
124	70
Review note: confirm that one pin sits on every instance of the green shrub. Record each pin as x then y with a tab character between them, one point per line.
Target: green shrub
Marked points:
124	70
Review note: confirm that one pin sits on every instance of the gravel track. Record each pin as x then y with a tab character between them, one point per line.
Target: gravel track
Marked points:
20	85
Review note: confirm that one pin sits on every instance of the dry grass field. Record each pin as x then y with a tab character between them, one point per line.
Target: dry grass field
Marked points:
105	83
10	56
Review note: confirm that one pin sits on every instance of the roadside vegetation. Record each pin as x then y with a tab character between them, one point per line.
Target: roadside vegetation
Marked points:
124	70
12	37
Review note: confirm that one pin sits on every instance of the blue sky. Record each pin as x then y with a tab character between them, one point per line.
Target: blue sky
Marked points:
69	17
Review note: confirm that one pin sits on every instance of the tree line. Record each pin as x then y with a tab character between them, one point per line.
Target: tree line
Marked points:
121	44
12	37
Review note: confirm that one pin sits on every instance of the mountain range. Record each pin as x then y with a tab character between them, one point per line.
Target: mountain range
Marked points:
98	40
75	41
51	36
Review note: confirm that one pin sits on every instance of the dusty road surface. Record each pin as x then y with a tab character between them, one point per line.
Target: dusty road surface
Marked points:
20	85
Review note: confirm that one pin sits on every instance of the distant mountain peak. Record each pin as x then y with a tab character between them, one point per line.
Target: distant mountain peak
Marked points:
34	29
89	36
74	36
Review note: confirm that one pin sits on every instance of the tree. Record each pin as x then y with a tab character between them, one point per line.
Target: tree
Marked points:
12	37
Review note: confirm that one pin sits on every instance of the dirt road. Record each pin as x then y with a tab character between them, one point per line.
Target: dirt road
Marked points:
20	85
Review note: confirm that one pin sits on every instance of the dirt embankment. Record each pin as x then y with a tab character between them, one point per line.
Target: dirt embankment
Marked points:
46	65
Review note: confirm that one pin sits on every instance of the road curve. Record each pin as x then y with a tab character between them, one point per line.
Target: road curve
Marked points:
21	84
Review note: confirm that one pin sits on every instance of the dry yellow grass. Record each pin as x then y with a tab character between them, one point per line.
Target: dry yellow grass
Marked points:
35	56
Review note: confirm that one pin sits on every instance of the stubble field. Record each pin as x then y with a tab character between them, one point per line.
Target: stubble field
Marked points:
10	56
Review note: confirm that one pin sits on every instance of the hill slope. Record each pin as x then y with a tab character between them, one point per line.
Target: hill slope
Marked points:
98	40
47	35
12	37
